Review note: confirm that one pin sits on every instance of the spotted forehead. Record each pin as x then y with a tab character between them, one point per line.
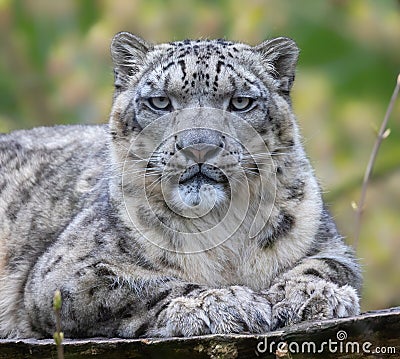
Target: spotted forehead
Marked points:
202	50
192	64
204	47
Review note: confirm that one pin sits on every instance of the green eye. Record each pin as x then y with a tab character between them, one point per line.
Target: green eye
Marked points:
241	103
159	103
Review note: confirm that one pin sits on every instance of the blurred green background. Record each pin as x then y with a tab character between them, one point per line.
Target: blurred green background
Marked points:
55	68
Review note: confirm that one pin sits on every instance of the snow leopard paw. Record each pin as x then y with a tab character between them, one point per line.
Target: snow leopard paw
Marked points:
210	311
294	301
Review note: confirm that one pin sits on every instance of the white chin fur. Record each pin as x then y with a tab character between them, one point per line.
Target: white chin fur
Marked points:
197	202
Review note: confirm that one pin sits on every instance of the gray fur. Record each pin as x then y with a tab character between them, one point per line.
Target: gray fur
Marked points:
79	214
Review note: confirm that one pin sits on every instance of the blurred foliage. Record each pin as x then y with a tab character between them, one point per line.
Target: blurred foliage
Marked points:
55	68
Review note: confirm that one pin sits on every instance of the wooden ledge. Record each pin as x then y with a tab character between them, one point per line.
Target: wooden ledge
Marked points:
370	335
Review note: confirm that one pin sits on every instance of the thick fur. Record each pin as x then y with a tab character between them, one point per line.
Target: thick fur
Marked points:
112	216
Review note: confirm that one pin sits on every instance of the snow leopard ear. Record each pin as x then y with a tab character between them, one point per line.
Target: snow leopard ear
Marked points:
280	57
128	53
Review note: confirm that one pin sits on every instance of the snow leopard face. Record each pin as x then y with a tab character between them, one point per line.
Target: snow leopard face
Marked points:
201	114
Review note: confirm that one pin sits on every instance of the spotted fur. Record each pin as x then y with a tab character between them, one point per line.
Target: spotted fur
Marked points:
185	215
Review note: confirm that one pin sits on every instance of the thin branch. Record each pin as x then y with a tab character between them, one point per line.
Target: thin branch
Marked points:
58	335
382	134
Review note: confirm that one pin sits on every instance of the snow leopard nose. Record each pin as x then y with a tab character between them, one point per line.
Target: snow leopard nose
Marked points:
200	144
200	152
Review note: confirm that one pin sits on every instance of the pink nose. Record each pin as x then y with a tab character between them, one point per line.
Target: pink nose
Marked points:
200	152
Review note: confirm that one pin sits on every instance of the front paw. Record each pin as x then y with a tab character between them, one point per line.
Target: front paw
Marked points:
215	311
298	300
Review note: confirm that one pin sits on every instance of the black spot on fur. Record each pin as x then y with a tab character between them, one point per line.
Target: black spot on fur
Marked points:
183	68
104	313
122	246
296	190
219	65
339	273
52	266
142	330
166	67
158	299
189	288
126	312
285	224
314	272
163	307
92	291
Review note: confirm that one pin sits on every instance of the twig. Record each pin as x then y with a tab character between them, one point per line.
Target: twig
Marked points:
382	134
58	335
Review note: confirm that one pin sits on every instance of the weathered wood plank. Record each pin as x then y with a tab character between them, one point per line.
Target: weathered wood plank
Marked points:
355	337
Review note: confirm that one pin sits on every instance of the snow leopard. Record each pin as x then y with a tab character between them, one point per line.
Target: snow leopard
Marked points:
193	211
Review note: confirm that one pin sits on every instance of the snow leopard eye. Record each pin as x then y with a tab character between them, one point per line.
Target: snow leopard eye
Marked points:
241	103
159	103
